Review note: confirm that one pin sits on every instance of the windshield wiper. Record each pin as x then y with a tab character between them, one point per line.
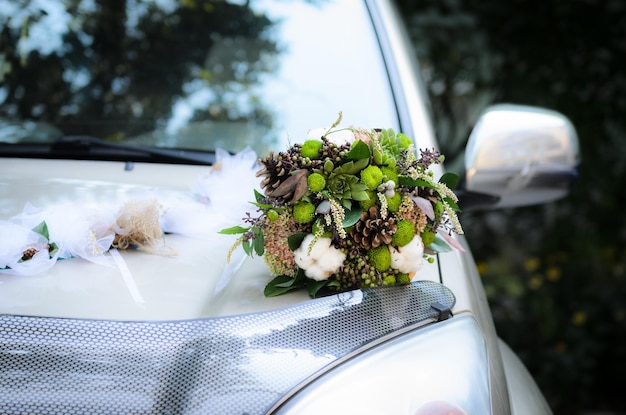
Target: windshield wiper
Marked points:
81	145
92	148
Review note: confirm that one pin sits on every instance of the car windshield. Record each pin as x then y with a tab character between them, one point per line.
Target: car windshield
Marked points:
188	74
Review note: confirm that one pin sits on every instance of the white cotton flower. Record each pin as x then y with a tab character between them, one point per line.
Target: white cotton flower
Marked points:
319	261
408	258
337	137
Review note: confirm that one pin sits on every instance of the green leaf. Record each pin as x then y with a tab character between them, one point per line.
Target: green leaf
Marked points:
449	179
247	248
259	244
359	194
276	287
295	240
452	204
261	205
52	249
42	229
352	216
353	167
378	157
313	287
287	283
359	151
284	283
409	182
258	195
234	230
329	166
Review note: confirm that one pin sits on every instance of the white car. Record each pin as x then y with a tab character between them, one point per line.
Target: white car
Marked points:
150	116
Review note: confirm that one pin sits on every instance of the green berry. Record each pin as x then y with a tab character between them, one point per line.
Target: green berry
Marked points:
272	215
380	258
389	280
303	212
404	233
316	182
372	177
311	149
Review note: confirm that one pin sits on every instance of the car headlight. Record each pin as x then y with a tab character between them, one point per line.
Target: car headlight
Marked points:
439	369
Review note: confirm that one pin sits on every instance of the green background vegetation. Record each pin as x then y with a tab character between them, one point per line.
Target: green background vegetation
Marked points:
555	274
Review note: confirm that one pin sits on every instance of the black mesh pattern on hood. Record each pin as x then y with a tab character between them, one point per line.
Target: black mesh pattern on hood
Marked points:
230	365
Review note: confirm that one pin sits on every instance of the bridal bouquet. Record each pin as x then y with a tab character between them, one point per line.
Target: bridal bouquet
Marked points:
347	209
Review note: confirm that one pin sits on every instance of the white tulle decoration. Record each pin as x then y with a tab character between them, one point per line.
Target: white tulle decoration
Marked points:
221	196
14	240
80	230
77	230
227	183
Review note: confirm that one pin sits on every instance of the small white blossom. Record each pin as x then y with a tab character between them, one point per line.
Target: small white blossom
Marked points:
408	258
387	188
320	260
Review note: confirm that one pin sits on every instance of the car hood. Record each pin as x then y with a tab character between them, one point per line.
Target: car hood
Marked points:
185	333
215	365
188	277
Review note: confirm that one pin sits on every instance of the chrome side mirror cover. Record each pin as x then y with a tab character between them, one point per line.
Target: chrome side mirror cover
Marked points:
517	156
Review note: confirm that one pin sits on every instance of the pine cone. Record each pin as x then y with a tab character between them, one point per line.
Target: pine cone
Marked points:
372	231
28	254
275	172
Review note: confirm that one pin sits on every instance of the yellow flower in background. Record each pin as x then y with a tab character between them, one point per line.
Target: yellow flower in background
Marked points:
553	274
481	267
531	264
579	318
535	282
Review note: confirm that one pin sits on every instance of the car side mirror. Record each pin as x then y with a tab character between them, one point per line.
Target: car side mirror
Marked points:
517	156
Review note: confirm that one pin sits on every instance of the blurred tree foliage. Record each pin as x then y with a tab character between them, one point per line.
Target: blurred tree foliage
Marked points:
555	274
115	69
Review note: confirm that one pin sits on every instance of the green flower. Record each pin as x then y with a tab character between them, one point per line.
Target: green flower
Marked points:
390	173
403	279
394	202
343	184
380	258
428	237
311	149
404	233
316	182
372	176
303	212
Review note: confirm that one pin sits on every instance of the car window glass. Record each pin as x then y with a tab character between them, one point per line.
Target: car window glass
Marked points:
188	74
